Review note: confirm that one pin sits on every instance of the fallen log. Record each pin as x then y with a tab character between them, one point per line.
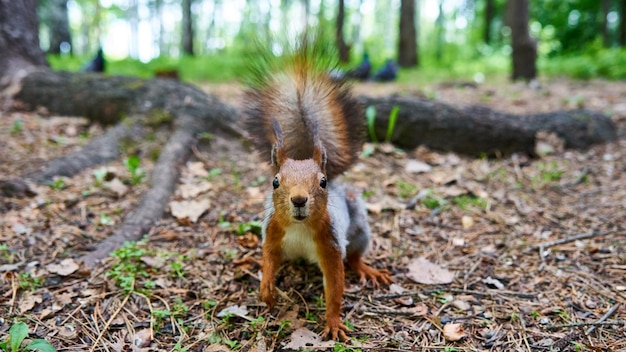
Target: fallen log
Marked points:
478	130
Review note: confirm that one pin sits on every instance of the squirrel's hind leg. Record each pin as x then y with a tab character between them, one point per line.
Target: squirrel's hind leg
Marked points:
366	272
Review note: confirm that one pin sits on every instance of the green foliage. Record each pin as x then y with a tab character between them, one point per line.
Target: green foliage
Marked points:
250	226
465	202
405	189
129	266
136	173
393	117
27	282
16	128
17	333
370	115
340	347
57	185
593	62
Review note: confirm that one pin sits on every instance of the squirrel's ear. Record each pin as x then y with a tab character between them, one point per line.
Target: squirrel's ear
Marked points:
319	155
278	156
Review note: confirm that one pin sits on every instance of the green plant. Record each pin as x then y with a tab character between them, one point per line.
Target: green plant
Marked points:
432	201
340	347
17	333
136	173
251	226
99	175
255	323
370	115
578	346
214	172
405	189
177	267
259	181
106	220
465	202
57	185
129	266
450	349
393	117
16	127
233	344
27	282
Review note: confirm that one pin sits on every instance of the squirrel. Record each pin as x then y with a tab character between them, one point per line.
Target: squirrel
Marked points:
311	128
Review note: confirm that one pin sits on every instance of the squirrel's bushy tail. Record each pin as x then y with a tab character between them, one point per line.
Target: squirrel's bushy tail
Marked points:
301	97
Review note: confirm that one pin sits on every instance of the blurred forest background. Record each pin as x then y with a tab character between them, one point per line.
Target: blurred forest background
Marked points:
210	40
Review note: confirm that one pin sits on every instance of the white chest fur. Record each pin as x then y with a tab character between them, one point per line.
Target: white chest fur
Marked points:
298	243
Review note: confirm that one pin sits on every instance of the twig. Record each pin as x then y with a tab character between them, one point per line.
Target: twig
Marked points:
582	236
591	323
604	317
542	247
108	323
453	290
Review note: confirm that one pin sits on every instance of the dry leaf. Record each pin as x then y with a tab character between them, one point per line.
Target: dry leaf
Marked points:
417	167
453	332
240	311
197	169
143	338
420	309
66	267
116	186
192	190
189	209
423	271
28	301
68	331
304	338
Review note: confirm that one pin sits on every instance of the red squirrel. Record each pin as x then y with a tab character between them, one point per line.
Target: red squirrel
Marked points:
311	129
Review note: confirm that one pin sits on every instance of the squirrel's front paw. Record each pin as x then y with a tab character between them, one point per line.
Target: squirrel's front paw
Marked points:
268	291
335	329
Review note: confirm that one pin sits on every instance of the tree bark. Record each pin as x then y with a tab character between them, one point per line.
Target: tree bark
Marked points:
524	47
478	130
59	27
342	47
19	41
489	13
407	41
606	34
187	28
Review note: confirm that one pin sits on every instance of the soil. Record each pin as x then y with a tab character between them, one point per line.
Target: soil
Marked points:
510	254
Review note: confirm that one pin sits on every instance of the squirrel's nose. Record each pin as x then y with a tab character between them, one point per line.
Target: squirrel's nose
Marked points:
299	201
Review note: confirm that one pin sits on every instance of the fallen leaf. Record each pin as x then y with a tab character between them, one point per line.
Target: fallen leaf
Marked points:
197	169
116	186
423	271
66	267
461	304
190	209
420	309
304	338
192	190
240	311
453	332
28	301
417	167
143	338
68	332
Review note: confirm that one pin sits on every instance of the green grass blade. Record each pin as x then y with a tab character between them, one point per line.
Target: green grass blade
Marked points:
370	114
393	117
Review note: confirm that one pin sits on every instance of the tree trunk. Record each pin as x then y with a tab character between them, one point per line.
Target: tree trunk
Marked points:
59	27
477	130
342	47
606	33
187	28
524	47
19	41
407	43
489	13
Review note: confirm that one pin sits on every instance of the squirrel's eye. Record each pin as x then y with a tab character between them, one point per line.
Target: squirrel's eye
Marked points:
275	183
323	182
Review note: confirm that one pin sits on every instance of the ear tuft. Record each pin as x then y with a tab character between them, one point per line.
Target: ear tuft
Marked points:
319	155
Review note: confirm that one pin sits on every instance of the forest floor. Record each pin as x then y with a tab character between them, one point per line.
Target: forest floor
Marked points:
521	254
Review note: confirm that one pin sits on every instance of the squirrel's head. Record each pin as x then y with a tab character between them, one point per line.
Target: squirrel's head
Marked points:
300	186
